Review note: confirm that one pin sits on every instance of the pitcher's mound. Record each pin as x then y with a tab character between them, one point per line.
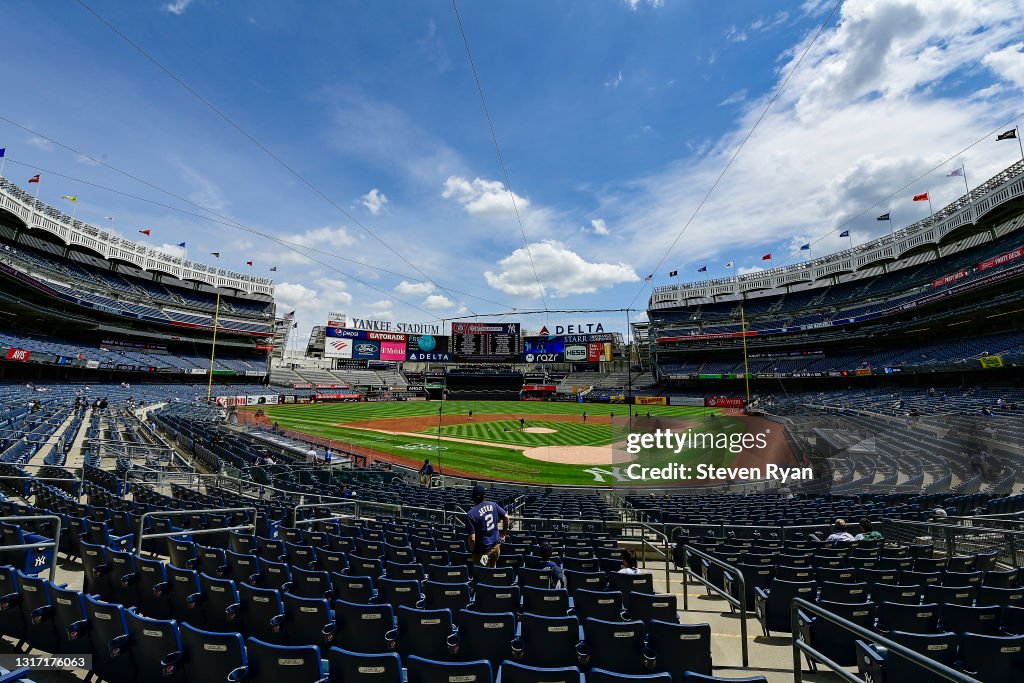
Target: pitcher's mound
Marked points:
540	430
579	455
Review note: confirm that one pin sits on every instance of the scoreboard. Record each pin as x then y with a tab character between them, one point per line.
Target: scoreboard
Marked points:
486	342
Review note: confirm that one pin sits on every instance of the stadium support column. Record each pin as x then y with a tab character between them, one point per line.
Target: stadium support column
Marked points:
213	347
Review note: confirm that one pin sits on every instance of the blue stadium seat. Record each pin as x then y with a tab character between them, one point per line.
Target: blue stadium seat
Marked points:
514	672
308	621
69	610
270	663
363	627
602	676
486	636
680	647
832	641
356	589
346	666
882	666
107	630
422	670
649	606
547	602
495	599
615	645
450	596
772	605
261	613
549	641
992	658
210	657
155	648
424	633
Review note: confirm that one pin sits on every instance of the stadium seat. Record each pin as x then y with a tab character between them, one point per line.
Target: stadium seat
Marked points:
242	568
346	666
123	575
680	647
514	672
185	595
606	605
219	603
910	618
270	663
952	595
153	588
880	665
424	633
627	583
1013	621
647	606
363	627
357	589
992	658
308	621
616	646
448	573
908	595
832	641
36	612
450	596
209	656
549	641
546	602
398	592
107	629
989	595
155	648
772	605
693	677
486	636
261	613
422	670
594	581
96	569
495	599
843	592
493	576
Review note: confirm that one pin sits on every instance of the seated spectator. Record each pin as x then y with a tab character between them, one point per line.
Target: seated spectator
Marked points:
557	577
867	532
628	563
839	534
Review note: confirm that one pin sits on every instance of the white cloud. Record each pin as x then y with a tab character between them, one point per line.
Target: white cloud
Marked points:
177	7
86	161
374	201
735	35
598	227
173	250
734	98
744	270
1008	63
436	302
40	143
414	288
615	81
480	196
562	272
878	100
326	238
634	5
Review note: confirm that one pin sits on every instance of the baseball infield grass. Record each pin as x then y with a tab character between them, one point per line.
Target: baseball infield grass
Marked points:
497	442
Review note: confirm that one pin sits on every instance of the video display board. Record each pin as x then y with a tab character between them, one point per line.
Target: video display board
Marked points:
486	342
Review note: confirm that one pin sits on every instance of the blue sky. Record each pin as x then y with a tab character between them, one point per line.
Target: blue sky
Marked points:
614	118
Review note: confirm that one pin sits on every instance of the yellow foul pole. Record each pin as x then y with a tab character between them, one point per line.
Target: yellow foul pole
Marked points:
746	366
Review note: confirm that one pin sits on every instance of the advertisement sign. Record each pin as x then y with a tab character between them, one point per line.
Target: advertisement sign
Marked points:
261	400
572	328
338	348
336	320
1001	259
952	277
345	333
543	345
92	364
651	401
337	397
366	349
427	348
685	401
576	353
392	350
862	372
539	387
991	361
599	351
339	320
21	355
723	402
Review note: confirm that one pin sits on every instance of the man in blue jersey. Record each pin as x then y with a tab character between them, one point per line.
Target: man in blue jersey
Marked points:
482	526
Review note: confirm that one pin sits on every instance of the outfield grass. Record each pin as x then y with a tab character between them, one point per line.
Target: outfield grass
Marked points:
341	422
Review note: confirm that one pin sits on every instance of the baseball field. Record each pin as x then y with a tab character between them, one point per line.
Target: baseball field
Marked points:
530	442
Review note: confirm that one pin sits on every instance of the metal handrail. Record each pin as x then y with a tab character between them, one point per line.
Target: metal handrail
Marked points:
295	513
740	603
55	543
799	645
178	513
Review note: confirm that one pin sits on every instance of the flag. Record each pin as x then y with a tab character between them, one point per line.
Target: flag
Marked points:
649	277
294	325
767	257
702	269
3	152
273	269
959	172
291	315
923	197
883	217
806	247
248	263
34	179
145	232
673	273
215	254
1008	135
730	264
109	218
846	233
181	244
71	198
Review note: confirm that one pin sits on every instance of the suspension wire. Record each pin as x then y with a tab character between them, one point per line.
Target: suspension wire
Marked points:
497	149
301	178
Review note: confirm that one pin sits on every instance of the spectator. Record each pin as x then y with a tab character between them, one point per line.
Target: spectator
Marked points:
839	534
311	456
628	562
557	576
425	473
867	532
485	539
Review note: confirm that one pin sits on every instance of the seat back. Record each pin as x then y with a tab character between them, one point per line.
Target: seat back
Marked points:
514	672
209	656
895	616
548	602
108	634
606	605
362	627
549	641
261	613
308	621
451	596
346	665
155	648
680	647
220	603
964	618
357	589
493	599
615	645
69	609
398	592
486	636
423	632
270	663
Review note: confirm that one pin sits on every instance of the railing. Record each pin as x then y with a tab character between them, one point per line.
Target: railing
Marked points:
55	543
305	506
960	540
192	532
742	531
739	603
801	646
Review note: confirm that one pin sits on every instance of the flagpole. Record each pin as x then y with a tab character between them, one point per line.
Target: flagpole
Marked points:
967	189
892	230
1019	143
213	347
